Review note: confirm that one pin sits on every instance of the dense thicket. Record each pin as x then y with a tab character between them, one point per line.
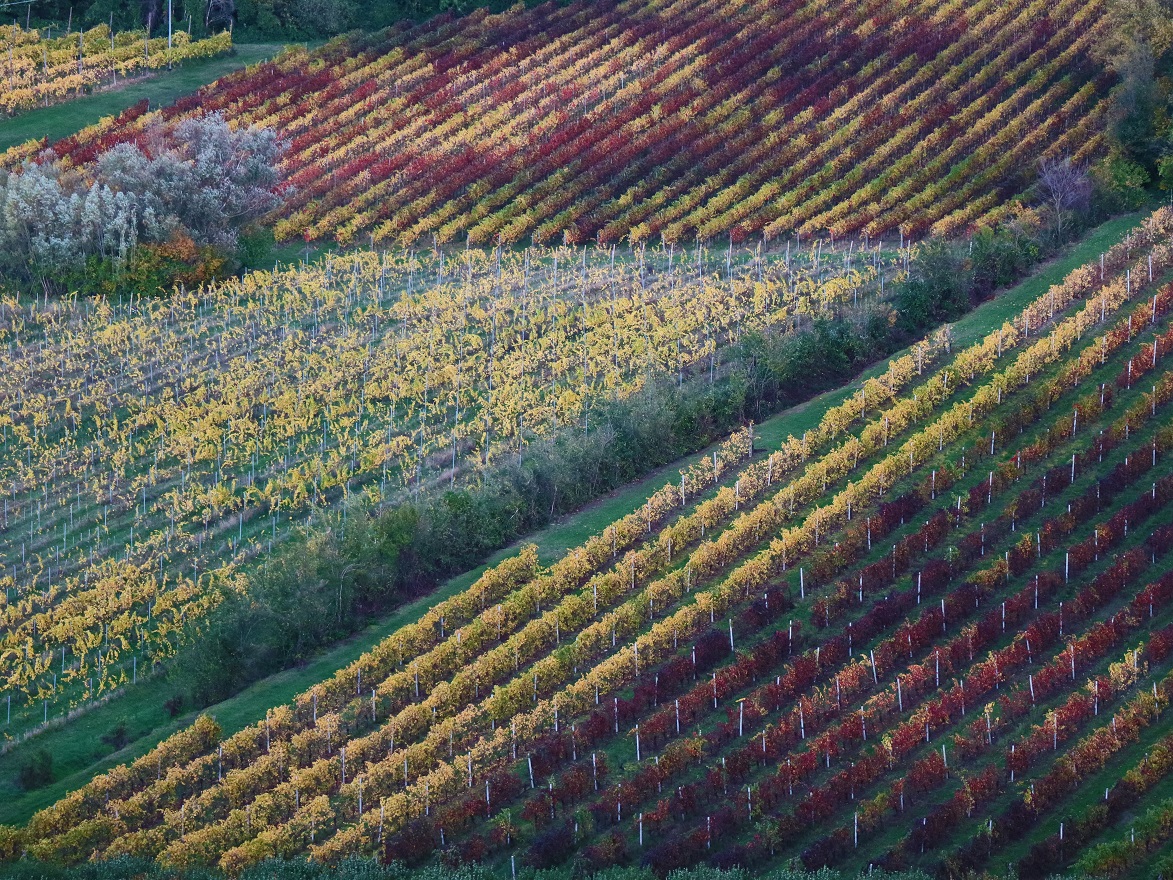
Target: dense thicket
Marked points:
1139	49
139	217
252	19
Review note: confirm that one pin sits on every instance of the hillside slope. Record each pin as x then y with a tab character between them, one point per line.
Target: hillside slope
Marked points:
916	632
676	119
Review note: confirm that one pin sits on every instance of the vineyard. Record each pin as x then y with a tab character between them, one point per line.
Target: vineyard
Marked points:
933	631
504	525
38	71
152	448
672	120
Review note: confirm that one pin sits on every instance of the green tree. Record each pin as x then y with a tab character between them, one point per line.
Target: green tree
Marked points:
1138	47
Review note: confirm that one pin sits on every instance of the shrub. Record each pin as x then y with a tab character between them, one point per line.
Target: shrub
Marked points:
117	737
37	771
149	220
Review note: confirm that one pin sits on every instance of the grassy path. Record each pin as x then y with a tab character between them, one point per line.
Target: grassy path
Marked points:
78	753
160	88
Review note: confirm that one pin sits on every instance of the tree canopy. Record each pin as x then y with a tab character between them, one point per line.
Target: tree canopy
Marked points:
185	196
